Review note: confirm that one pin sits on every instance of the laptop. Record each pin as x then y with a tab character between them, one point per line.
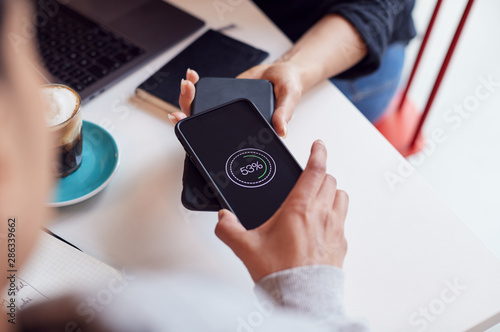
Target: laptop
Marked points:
92	44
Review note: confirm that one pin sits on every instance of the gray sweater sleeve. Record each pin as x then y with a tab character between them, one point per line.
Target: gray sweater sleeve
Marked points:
313	291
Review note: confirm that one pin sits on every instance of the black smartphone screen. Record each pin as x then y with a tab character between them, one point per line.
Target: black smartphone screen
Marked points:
212	92
238	151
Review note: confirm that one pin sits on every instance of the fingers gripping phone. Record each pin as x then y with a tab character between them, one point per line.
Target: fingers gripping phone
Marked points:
240	156
211	92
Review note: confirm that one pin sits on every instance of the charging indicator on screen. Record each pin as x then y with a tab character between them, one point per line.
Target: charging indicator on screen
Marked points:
250	168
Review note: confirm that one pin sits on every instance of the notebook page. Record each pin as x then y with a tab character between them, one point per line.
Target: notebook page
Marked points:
56	268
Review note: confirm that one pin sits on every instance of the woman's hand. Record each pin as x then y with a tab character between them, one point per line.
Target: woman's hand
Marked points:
308	228
287	90
319	54
186	97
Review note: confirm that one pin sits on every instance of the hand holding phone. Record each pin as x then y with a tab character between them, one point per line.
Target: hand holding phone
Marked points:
308	228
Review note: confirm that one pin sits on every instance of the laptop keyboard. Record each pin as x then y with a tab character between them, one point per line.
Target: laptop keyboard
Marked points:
76	50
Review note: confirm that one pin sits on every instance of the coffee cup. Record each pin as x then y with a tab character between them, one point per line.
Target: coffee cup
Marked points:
64	119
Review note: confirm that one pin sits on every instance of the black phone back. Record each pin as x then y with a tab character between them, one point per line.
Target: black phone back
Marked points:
211	92
239	154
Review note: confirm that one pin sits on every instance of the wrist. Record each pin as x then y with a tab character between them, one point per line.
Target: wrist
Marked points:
306	71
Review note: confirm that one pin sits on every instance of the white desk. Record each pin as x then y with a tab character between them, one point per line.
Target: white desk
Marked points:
404	244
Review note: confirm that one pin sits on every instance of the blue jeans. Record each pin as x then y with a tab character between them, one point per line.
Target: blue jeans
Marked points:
372	94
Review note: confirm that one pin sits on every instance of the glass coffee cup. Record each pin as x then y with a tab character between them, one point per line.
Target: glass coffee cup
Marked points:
64	119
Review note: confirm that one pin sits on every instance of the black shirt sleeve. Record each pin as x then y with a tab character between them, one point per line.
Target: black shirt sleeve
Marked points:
375	21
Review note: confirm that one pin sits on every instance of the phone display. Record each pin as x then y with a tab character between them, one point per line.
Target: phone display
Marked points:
212	92
241	157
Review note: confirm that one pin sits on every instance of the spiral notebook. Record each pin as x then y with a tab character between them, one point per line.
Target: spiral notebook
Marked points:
55	269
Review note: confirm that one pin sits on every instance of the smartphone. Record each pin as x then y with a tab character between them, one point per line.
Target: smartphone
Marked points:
239	155
211	92
215	91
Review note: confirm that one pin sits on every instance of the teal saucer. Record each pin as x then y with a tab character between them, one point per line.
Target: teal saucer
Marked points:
100	161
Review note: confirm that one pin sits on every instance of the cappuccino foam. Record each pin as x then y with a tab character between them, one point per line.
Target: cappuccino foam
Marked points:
62	104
